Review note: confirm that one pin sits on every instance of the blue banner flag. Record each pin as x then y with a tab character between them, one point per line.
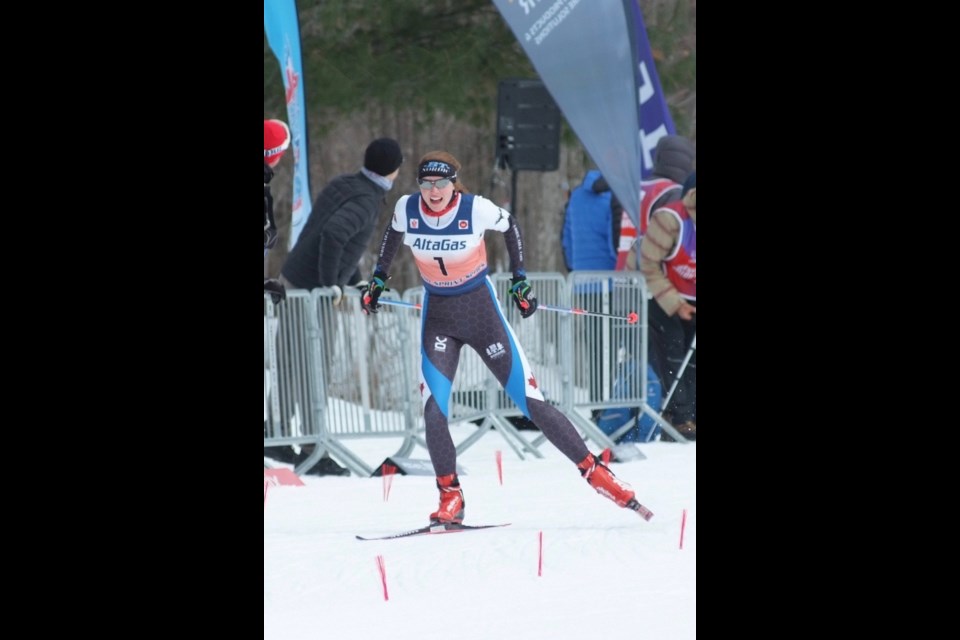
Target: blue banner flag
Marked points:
590	55
282	26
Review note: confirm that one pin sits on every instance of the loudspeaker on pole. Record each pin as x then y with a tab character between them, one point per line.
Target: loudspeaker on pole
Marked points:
528	126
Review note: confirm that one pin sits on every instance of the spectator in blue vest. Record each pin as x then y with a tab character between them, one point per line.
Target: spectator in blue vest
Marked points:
591	234
591	226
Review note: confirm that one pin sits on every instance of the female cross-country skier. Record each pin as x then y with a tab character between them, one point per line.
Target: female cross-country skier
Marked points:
444	226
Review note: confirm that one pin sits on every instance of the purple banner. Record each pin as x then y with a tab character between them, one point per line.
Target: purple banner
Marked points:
655	120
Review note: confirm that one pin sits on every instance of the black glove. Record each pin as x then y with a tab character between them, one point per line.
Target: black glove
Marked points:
520	293
276	290
370	293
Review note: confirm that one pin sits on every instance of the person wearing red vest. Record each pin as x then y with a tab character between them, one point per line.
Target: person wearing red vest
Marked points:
672	162
668	261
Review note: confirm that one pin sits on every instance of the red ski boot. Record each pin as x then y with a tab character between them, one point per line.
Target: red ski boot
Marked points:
452	505
606	484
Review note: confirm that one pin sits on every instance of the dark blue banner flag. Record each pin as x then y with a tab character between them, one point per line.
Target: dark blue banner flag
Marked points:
655	120
282	26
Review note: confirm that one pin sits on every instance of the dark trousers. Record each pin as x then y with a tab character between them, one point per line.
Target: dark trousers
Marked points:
670	339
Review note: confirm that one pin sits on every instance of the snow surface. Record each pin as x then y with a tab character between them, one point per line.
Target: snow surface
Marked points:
606	573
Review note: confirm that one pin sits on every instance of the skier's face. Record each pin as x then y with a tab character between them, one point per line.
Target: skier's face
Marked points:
436	192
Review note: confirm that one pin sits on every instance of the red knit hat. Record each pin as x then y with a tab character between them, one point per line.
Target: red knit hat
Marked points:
276	139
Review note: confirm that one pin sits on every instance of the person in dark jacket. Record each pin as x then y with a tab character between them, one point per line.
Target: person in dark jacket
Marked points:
328	250
335	236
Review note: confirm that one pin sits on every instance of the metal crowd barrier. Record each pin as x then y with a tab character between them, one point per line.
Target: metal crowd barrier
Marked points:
604	348
332	373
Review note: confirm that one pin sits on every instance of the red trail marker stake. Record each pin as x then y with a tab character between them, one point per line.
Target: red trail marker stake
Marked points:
540	562
498	455
683	525
388	471
382	568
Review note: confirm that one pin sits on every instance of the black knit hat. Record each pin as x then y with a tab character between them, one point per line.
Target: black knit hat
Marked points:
383	156
673	158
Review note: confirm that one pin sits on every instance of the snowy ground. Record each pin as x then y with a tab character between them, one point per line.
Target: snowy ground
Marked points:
606	573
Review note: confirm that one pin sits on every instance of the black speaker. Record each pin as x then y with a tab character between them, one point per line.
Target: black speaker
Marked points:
528	126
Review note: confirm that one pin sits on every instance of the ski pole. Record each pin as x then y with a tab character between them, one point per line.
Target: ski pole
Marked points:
679	376
631	318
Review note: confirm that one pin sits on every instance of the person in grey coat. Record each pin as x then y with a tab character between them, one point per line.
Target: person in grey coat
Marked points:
329	248
335	236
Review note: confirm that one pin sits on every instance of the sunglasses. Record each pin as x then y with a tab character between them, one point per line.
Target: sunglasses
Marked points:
430	184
